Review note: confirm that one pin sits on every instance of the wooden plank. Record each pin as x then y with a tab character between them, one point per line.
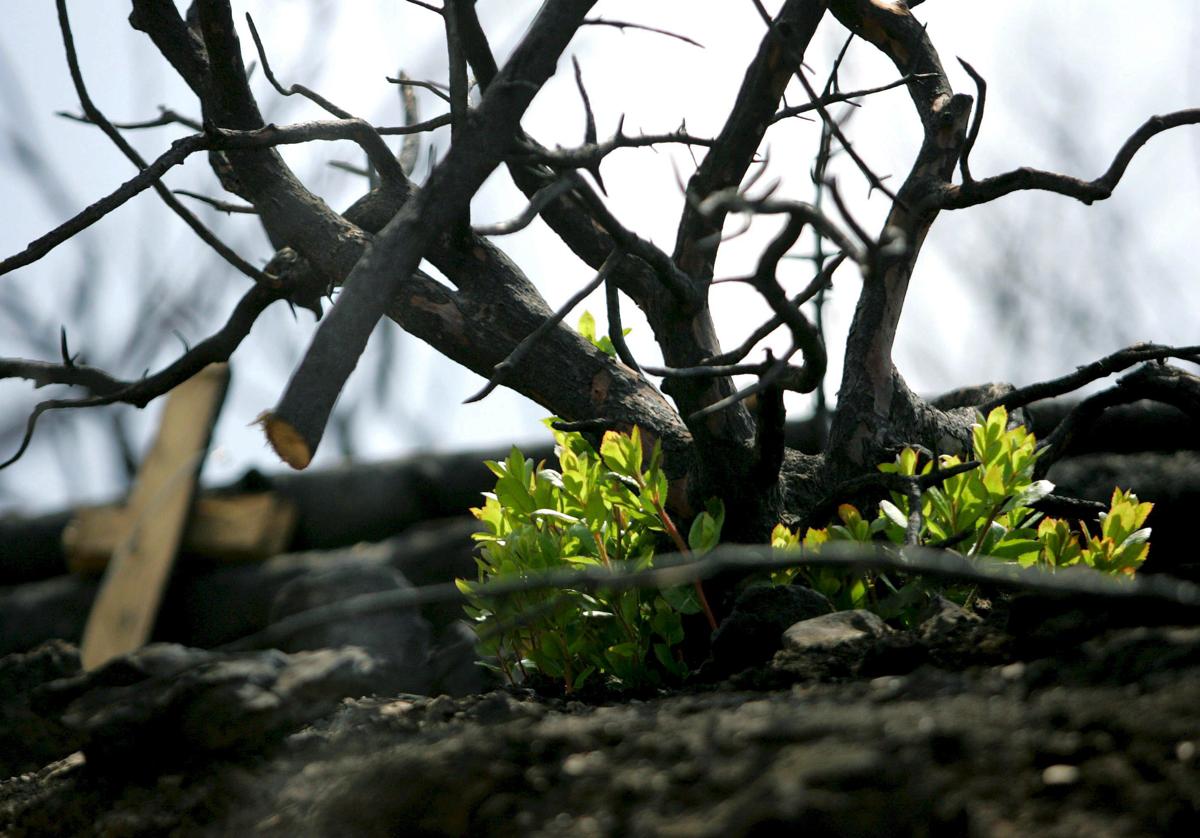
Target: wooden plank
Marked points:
126	605
226	528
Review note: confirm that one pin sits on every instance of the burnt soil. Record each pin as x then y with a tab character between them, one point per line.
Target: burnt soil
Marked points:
1044	719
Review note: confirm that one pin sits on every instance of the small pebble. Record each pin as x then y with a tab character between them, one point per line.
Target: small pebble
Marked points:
1013	671
1060	775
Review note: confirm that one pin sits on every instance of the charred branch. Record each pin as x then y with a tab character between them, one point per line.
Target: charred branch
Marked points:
506	367
969	194
94	115
303	410
1155	381
874	401
779	56
641	27
216	348
1106	366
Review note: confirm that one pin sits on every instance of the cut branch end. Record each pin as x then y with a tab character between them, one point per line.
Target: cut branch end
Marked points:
286	440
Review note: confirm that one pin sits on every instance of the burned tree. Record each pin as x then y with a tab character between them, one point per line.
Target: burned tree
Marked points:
492	319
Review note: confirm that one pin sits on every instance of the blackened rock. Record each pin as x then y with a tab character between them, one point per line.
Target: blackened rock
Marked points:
753	631
169	705
830	630
945	616
454	663
399	637
30	739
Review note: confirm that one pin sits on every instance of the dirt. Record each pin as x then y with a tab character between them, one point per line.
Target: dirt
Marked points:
963	728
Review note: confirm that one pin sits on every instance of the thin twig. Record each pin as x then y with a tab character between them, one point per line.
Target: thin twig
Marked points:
432	86
503	369
677	282
673	570
410	149
835	98
424	5
223	206
958	196
216	348
872	178
367	137
165	117
622	25
584	156
546	195
94	115
818	283
976	121
216	139
589	126
616	334
1102	368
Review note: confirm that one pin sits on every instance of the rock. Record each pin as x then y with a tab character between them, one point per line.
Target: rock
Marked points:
751	633
830	630
28	739
1111	750
454	663
167	704
39	612
945	616
57	608
399	637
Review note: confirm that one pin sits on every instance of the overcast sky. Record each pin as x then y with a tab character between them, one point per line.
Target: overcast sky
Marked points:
1022	289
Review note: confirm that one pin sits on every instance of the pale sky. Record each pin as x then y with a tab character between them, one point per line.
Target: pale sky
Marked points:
1068	81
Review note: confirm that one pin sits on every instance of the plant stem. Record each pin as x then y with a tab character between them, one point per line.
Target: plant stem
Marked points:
681	545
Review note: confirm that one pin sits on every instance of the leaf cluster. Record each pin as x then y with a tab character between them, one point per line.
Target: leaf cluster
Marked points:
597	510
587	328
987	509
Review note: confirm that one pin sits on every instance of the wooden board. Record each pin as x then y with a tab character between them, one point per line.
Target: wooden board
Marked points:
123	614
232	528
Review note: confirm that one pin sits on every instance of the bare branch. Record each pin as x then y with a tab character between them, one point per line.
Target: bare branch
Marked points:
43	374
1155	381
94	115
872	395
875	180
589	129
976	122
623	25
540	199
411	147
223	206
1087	191
616	334
1106	366
150	175
590	154
506	367
457	63
216	348
678	282
424	5
834	98
166	117
145	179
728	363
399	247
779	54
433	87
673	570
802	213
372	143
